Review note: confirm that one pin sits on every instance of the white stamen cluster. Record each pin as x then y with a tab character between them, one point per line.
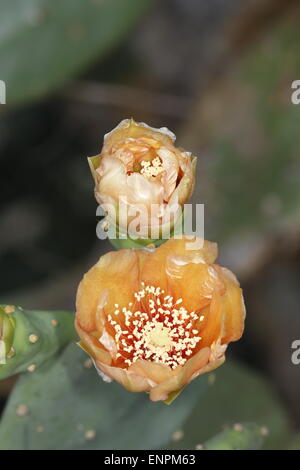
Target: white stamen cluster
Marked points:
151	169
161	331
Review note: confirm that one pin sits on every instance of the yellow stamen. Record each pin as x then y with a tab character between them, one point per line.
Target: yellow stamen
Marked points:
162	333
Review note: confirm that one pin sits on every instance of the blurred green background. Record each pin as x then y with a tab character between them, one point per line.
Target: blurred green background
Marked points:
219	75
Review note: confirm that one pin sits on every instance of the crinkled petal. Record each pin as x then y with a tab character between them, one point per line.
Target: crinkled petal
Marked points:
128	128
192	366
142	191
111	179
209	367
214	323
156	372
114	279
233	307
186	185
92	346
204	251
128	379
171	168
192	281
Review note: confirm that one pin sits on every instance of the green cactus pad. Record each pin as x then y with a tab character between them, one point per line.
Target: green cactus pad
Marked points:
37	336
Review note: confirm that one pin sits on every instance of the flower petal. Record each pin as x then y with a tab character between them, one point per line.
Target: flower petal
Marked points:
186	185
233	307
192	281
171	167
142	191
111	180
156	372
193	365
132	382
128	128
204	251
214	324
209	367
114	279
92	346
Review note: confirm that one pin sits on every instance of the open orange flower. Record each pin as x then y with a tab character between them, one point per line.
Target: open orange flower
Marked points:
153	320
139	165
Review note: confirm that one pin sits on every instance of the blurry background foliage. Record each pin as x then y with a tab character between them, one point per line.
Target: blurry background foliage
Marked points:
219	74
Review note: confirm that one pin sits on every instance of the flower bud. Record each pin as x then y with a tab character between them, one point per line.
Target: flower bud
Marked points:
140	169
153	320
7	331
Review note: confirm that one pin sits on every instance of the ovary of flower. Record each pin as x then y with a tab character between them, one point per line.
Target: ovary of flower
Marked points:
163	333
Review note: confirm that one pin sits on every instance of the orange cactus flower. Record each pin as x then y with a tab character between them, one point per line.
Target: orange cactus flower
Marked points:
153	320
140	165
